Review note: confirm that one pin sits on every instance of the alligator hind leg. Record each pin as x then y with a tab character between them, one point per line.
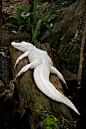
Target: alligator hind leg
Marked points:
53	70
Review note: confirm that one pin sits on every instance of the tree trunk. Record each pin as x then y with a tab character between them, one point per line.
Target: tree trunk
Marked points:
0	20
66	24
67	35
42	112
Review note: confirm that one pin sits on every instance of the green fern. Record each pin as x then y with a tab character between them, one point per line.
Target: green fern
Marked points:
42	6
37	30
49	17
49	27
29	19
34	17
35	7
45	14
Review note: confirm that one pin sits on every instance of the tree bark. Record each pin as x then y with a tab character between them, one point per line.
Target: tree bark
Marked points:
0	21
66	24
42	112
64	30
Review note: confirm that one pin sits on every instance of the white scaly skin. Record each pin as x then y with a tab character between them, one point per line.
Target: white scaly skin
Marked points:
43	66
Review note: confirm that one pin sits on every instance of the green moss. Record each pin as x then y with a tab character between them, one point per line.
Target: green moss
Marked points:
39	108
46	100
47	119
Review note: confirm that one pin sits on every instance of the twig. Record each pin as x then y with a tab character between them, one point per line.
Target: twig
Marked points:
81	57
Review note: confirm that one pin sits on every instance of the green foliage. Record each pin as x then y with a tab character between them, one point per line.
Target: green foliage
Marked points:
36	31
9	24
35	7
28	19
75	39
18	17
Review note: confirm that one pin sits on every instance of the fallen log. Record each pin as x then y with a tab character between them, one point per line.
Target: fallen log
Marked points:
42	112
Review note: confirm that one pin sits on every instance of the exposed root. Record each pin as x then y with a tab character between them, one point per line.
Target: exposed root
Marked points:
9	92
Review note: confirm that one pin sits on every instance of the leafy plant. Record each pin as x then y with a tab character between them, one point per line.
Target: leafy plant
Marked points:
75	39
29	19
18	17
46	16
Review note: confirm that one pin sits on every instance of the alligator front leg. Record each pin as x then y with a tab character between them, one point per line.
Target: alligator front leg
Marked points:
32	65
21	57
53	70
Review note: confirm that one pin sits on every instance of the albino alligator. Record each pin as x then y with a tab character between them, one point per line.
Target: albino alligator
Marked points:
43	66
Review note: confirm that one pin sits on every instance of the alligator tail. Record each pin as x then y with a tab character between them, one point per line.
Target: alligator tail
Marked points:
41	77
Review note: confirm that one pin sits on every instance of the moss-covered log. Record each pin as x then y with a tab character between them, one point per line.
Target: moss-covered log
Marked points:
42	112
